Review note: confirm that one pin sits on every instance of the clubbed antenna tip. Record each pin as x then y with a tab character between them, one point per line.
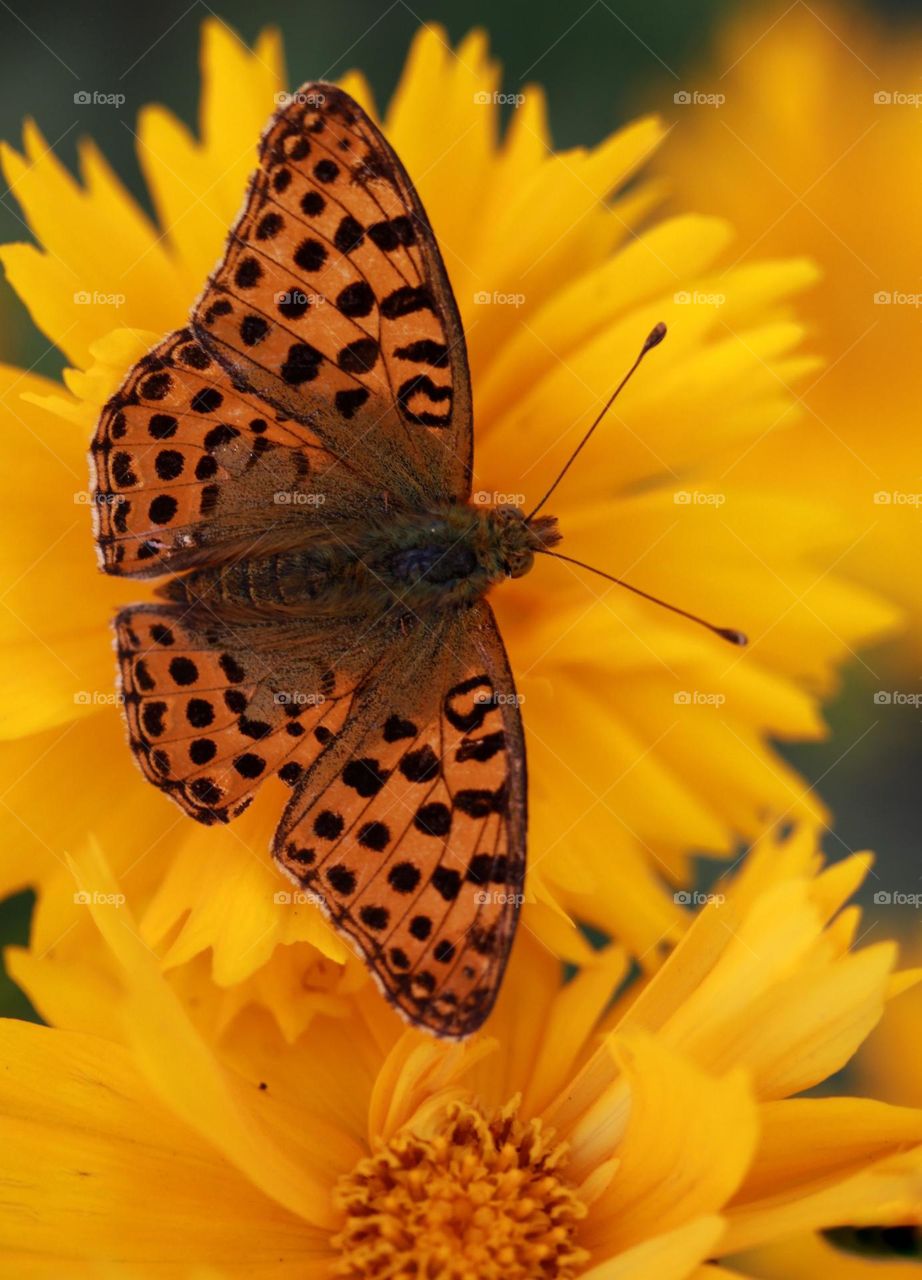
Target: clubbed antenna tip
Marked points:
735	637
654	337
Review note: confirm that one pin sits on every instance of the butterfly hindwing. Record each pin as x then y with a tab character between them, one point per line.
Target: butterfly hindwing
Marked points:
213	711
416	844
333	301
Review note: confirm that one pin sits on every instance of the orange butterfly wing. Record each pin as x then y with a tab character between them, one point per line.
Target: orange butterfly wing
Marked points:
213	710
334	304
190	467
413	838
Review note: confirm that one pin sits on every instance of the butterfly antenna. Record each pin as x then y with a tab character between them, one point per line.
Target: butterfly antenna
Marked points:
654	338
729	634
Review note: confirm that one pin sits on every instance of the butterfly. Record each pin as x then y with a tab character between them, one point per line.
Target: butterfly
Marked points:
298	460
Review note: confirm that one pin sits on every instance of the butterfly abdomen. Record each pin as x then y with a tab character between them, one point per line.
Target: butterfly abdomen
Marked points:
277	583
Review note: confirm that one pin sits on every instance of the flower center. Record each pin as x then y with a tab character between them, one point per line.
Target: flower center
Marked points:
483	1198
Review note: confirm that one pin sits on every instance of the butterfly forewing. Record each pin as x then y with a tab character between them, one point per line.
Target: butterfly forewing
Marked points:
333	301
416	845
190	467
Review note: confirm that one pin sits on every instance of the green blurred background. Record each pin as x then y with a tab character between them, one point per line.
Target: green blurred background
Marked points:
601	64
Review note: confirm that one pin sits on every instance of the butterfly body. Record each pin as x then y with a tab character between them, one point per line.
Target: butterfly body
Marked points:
392	564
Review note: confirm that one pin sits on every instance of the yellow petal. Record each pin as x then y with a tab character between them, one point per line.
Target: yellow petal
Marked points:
419	1079
187	1076
687	1143
888	1193
570	1021
673	1255
222	891
95	1166
755	996
197	186
807	1140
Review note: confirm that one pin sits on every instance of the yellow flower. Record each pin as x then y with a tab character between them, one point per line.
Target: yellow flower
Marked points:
647	738
803	157
631	1141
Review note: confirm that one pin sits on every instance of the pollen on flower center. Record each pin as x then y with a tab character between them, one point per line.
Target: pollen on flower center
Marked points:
482	1198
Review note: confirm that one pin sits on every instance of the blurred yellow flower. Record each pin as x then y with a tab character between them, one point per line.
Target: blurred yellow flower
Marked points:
809	1257
618	1142
647	739
888	1065
804	156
